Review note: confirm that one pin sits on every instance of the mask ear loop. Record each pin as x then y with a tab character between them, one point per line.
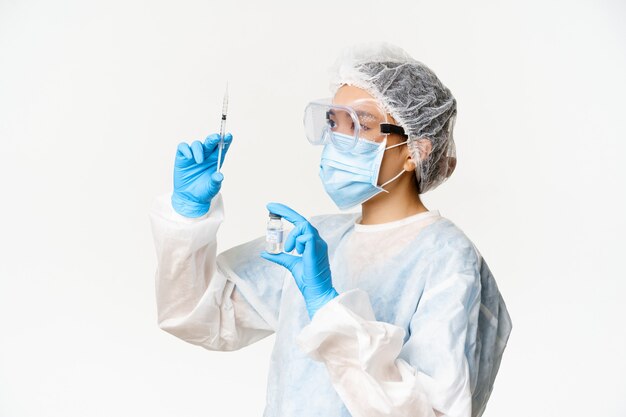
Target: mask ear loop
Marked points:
397	144
392	180
400	173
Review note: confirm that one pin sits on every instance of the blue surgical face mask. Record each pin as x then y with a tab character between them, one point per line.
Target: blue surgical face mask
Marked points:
351	177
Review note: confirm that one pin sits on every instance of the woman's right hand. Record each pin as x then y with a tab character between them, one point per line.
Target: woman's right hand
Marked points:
196	180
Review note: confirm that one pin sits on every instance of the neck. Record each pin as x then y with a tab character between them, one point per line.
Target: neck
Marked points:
401	201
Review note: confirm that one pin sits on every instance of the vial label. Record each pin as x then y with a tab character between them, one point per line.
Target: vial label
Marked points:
274	236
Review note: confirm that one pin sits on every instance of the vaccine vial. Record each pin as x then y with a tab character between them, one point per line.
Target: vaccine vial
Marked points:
274	235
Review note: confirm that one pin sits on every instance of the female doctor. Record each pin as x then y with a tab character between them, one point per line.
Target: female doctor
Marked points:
388	312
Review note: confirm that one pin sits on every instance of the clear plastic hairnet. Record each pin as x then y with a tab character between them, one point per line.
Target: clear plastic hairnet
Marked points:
416	99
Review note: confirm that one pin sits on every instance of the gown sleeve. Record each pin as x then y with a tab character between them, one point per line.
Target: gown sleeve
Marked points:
220	302
377	373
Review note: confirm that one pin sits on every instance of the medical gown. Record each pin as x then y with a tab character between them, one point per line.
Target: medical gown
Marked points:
419	327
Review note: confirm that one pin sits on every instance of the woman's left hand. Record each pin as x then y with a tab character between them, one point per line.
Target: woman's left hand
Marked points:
311	270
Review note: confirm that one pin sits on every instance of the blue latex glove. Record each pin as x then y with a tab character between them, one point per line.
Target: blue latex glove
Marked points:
196	180
311	270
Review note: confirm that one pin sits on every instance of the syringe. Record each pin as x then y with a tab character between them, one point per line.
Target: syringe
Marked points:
222	129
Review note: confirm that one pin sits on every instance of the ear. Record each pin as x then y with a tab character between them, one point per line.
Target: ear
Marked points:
409	163
425	146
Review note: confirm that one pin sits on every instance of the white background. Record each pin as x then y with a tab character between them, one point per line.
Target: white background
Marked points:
95	96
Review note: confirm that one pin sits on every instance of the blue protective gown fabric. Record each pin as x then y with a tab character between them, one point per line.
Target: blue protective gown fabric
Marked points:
418	329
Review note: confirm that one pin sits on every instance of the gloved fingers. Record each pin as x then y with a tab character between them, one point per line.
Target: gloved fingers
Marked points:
211	144
283	259
316	248
211	141
228	140
184	150
290	242
287	213
302	224
215	183
304	241
198	151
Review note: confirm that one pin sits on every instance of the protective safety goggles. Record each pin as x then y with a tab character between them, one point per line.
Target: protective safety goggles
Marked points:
341	125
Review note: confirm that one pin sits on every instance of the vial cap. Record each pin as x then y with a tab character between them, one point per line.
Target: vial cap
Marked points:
275	216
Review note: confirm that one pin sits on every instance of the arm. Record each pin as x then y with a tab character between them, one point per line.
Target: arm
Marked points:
376	374
219	302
